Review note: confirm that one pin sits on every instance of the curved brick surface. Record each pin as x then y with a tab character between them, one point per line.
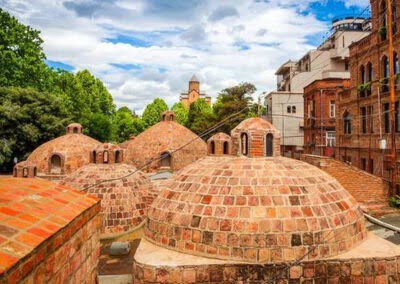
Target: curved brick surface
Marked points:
255	210
165	136
124	201
73	149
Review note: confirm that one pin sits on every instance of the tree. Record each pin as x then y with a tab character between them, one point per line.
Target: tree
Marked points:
28	118
153	111
21	55
201	116
138	126
181	113
122	124
232	100
100	127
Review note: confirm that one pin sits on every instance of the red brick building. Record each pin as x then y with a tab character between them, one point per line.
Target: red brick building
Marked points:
320	98
363	110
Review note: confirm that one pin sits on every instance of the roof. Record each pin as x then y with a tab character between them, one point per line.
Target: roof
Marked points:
194	79
124	201
254	210
285	67
254	123
34	210
220	136
165	136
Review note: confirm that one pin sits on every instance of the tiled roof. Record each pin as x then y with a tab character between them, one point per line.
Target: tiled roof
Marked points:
256	210
34	210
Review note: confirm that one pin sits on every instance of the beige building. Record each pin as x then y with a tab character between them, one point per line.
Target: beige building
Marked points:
193	93
285	106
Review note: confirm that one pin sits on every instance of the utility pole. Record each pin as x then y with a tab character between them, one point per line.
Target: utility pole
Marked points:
392	98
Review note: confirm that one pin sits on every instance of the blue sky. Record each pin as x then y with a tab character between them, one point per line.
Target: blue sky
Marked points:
144	49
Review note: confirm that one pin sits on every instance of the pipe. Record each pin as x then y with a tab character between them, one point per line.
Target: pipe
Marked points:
382	224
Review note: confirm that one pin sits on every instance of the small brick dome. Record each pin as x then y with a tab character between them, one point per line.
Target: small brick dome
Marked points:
159	141
168	115
64	154
74	128
124	202
220	144
261	210
256	137
107	153
25	169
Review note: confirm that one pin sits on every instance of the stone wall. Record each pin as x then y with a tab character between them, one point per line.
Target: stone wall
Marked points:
69	256
364	187
377	270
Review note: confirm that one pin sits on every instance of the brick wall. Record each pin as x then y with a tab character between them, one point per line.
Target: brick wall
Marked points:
380	270
365	188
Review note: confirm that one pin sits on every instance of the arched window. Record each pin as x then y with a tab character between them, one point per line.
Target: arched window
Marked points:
164	117
165	160
269	145
362	71
117	157
94	157
75	130
226	148
288	109
293	109
25	172
244	144
105	157
370	72
347	123
55	164
171	117
34	171
394	17
15	172
395	63
385	67
212	147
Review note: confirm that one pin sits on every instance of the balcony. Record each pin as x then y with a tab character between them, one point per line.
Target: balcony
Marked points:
339	54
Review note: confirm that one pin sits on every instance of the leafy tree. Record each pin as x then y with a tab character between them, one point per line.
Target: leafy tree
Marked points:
28	118
153	111
21	55
232	100
100	127
181	113
122	124
201	116
138	126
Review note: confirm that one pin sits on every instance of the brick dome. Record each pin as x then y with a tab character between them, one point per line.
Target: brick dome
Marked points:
25	169
160	140
126	143
124	202
219	144
64	154
260	210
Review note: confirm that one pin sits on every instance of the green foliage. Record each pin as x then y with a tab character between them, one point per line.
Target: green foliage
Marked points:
138	126
153	111
232	100
181	113
394	201
99	127
201	116
122	124
28	118
21	55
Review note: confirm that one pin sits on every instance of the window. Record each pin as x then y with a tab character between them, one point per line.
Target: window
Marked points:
94	157
363	112
25	172
288	109
244	144
293	109
269	145
386	117
397	116
75	130
165	160
370	113
370	72
117	157
347	123
371	166
330	138
212	147
332	109
383	28
385	66
226	148
105	157
362	71
395	63
346	65
363	164
55	164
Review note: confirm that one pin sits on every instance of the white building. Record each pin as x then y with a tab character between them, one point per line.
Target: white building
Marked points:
329	60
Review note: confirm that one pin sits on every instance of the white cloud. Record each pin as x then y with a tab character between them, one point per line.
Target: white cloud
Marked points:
176	38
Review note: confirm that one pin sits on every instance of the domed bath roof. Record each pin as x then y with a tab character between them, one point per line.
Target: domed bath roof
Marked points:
161	140
125	195
219	144
64	154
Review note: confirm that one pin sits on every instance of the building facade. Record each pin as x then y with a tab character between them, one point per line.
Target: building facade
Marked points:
329	60
363	132
320	99
193	93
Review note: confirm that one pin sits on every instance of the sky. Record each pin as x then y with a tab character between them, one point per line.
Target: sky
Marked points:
143	49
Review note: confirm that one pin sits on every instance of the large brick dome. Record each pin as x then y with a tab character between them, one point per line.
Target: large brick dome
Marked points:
124	201
255	208
64	154
160	140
